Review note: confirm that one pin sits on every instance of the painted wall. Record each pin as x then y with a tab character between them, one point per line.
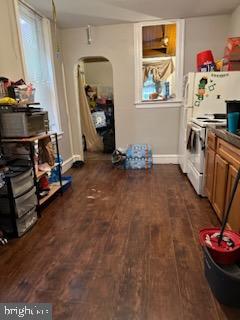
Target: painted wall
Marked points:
99	73
11	66
159	127
202	34
10	58
235	23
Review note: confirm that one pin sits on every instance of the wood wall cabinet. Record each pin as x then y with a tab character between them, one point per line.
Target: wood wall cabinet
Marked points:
159	40
222	164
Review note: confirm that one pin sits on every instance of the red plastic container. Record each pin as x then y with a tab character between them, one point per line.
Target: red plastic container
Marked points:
222	254
204	57
43	183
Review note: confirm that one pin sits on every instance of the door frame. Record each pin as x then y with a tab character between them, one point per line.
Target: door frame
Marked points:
76	89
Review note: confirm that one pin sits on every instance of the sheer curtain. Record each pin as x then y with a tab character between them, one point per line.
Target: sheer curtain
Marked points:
38	61
93	140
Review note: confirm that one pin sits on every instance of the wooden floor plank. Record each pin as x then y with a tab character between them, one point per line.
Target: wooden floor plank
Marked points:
119	245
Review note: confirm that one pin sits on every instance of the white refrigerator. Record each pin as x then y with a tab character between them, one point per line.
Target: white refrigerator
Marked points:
205	93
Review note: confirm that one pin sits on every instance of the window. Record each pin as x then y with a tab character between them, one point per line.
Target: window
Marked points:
38	61
159	61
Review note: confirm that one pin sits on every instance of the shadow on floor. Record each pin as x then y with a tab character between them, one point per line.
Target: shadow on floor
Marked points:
99	156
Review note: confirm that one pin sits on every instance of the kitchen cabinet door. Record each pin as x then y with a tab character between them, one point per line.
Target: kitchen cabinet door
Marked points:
211	140
220	186
234	217
209	173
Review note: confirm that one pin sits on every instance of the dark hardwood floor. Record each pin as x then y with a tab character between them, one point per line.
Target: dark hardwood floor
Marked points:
118	245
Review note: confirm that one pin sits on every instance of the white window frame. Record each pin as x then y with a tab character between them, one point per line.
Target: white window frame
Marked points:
50	53
139	103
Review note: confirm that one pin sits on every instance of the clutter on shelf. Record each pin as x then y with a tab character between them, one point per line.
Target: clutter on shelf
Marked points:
30	163
205	61
16	92
229	62
44	187
20	115
54	176
66	182
3	240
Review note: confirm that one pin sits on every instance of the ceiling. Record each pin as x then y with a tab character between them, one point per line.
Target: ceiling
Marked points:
79	13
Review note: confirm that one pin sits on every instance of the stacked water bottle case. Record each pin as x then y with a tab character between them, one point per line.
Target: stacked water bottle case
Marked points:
138	156
18	201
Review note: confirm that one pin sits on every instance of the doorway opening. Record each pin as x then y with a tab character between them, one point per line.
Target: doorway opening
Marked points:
95	76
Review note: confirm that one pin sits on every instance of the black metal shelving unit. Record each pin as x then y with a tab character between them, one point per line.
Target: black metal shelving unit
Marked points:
55	188
37	175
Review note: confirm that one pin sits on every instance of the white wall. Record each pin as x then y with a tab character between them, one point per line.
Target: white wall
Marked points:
202	34
99	73
133	125
235	23
11	66
159	127
116	44
10	58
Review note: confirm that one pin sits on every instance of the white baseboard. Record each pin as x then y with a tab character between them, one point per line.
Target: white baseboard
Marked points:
77	157
67	164
165	159
157	159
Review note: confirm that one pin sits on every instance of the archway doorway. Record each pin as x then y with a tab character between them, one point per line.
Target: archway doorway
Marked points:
97	107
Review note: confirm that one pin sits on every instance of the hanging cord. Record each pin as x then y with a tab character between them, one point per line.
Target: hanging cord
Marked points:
54	17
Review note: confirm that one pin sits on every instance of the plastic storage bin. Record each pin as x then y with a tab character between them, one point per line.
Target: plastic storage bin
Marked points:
26	222
22	204
224	281
23	224
20	182
24	94
26	202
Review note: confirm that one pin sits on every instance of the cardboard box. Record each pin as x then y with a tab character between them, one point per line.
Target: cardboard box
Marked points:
232	50
231	66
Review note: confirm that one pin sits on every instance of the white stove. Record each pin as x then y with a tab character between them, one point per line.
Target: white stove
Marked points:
197	136
205	121
204	95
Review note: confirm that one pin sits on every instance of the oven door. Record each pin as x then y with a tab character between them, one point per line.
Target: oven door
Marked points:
197	150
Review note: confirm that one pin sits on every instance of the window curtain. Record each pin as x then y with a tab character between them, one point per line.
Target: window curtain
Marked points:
35	36
160	70
93	140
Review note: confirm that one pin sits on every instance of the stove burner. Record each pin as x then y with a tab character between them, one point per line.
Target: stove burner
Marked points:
213	121
202	118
